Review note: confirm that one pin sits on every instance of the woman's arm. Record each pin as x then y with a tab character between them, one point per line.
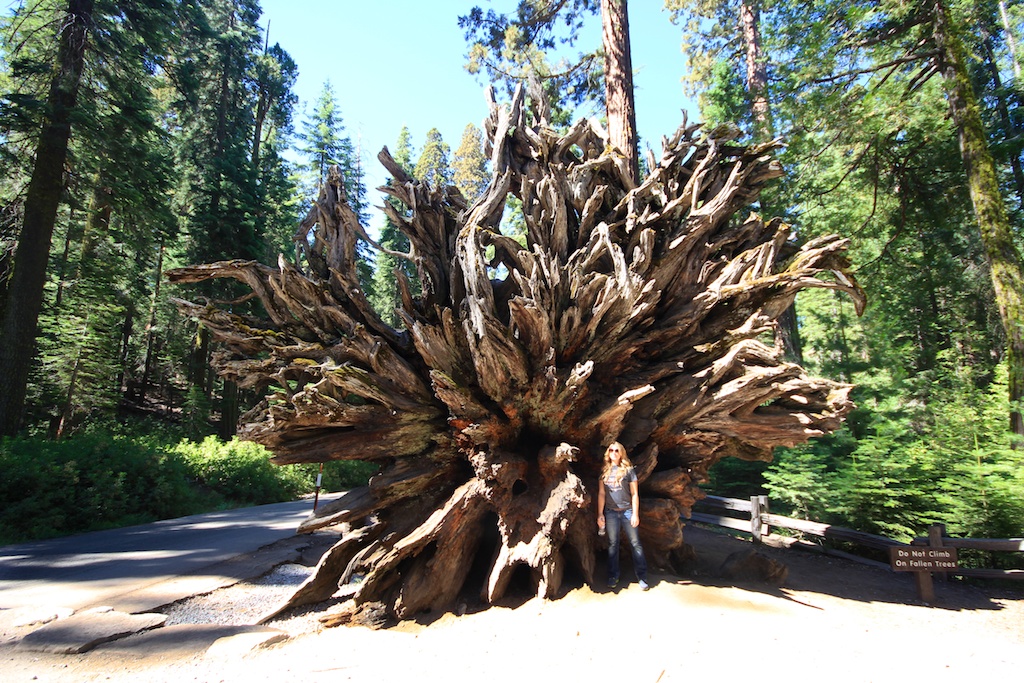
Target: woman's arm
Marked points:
600	503
634	492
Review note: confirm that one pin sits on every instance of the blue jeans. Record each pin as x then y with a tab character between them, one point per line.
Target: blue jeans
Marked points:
620	519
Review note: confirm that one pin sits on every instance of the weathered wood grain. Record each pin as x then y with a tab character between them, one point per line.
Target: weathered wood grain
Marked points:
642	314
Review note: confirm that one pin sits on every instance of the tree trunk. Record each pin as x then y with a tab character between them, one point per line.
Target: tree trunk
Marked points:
618	79
1011	41
228	411
633	314
147	371
25	293
67	411
757	72
982	178
1011	131
787	330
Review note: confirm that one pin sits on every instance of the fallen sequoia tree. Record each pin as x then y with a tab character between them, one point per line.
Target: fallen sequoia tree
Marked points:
633	313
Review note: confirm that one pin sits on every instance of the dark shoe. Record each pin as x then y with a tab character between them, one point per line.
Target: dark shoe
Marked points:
612	583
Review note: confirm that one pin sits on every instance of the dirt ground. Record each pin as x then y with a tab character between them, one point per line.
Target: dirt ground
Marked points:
832	619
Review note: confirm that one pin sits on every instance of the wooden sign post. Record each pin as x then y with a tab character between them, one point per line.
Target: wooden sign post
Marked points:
923	560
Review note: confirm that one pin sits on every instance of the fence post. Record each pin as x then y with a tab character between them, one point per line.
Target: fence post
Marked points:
758	505
764	515
935	534
925	585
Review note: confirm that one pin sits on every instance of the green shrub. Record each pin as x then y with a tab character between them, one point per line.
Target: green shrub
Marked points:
93	481
241	471
342	475
121	474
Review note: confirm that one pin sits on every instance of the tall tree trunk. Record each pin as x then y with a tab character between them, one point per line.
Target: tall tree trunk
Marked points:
1010	128
127	327
982	178
229	412
147	371
1011	41
757	72
62	270
67	411
618	77
25	295
787	330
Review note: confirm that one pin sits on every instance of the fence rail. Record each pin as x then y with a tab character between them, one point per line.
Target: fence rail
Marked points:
758	523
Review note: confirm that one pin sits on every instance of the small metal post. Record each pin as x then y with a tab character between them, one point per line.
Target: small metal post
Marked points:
319	478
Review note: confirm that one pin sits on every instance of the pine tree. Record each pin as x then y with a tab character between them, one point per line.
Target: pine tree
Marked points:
385	295
325	144
108	51
470	165
277	194
434	163
217	198
24	295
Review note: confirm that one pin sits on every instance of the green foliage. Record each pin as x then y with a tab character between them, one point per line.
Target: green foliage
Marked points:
92	481
470	165
725	100
195	413
799	483
734	478
434	164
912	464
537	42
340	475
121	474
241	471
384	295
872	153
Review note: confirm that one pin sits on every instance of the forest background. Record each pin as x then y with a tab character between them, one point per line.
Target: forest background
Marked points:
170	132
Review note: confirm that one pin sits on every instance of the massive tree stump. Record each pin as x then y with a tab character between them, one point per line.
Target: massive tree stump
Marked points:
641	314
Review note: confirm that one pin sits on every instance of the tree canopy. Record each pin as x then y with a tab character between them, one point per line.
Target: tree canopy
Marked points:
141	136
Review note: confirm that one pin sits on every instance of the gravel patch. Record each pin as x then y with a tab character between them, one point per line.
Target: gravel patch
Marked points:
247	601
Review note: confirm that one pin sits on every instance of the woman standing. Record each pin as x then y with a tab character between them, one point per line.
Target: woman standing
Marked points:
618	507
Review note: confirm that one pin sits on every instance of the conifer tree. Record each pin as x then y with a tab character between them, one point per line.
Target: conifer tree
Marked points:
513	50
434	163
325	144
385	295
24	295
470	165
275	75
217	197
109	50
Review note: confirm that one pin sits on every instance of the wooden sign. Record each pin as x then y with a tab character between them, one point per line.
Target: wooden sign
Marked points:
922	559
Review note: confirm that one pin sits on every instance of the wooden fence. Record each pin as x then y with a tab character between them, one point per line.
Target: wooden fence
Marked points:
757	521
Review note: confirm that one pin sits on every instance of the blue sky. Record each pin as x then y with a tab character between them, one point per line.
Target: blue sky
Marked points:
400	62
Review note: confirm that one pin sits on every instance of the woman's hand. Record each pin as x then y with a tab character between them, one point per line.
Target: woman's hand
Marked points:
600	521
634	519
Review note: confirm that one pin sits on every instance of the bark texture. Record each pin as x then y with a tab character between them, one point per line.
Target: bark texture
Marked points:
632	313
983	182
28	277
757	71
618	79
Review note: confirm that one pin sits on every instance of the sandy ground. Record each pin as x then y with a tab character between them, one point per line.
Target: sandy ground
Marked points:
832	620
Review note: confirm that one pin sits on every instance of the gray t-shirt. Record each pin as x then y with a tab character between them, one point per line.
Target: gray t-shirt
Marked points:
617	496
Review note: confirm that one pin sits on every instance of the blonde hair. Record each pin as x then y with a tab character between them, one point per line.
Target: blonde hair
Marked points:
624	463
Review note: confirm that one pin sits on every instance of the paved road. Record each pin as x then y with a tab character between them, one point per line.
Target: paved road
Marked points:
144	566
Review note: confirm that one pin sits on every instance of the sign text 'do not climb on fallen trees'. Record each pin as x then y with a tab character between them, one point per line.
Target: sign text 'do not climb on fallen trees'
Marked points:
911	559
